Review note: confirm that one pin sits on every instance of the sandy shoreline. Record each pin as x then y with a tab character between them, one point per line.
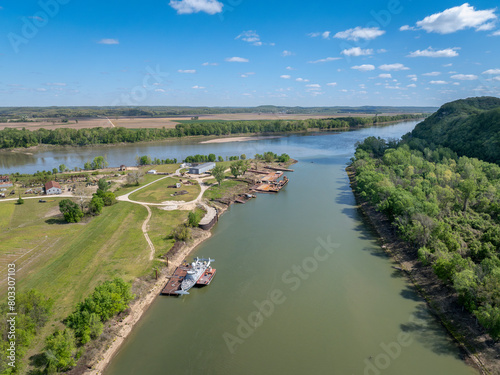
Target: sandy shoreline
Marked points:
140	306
241	139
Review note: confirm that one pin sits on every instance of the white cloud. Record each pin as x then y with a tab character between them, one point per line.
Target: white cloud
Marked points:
356	51
209	64
438	82
432	74
250	36
285	76
358	33
55	84
245	75
195	6
41	89
395	67
447	65
237	59
382	50
328	59
406	28
464	77
457	18
492	71
324	34
187	71
198	87
496	78
159	90
385	75
411	85
430	52
302	80
496	33
332	84
108	41
364	67
314	86
286	53
289	68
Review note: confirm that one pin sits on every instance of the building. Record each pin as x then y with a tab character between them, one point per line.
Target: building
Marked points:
152	171
5	182
52	187
122	168
202	168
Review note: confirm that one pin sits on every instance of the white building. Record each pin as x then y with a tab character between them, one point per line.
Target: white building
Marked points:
52	188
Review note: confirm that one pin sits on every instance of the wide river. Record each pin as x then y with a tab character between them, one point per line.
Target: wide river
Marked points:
302	285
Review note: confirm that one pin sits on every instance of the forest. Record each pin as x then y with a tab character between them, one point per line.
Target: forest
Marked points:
13	138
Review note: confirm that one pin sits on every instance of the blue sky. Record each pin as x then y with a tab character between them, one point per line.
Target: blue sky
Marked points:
247	52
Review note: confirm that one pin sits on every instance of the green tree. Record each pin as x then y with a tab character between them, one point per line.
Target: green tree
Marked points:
60	350
102	184
62	168
219	173
96	205
20	200
181	233
54	171
220	158
99	162
235	169
70	210
468	188
193	219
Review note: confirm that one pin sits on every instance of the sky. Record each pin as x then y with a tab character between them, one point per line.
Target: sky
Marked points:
247	52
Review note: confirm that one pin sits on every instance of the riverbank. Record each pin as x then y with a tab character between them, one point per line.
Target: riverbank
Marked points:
241	139
479	350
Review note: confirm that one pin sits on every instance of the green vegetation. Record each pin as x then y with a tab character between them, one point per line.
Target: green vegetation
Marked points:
71	211
219	173
448	207
239	168
225	189
10	138
194	217
470	127
160	192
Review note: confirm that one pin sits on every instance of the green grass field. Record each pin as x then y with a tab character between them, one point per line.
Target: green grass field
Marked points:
159	192
227	189
146	179
160	226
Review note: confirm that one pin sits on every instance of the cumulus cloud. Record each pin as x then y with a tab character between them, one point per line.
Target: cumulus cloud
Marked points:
364	67
332	84
237	59
358	33
464	77
301	80
187	71
109	41
430	52
196	6
196	87
328	59
458	18
438	82
431	74
496	33
411	85
314	86
250	36
492	71
385	75
285	76
286	53
289	68
356	51
394	67
209	64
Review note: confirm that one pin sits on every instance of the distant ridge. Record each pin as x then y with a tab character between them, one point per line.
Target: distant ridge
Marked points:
470	127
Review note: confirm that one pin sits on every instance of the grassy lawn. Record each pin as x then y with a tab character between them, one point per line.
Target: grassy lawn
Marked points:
160	226
168	168
67	261
227	189
146	179
159	192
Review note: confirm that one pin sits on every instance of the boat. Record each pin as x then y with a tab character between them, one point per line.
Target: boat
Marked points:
197	270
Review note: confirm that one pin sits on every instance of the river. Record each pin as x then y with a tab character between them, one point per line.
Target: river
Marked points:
302	286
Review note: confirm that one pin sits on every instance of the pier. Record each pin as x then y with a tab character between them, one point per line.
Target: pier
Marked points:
174	283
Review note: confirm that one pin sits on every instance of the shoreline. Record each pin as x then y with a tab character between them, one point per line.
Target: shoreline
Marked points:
478	349
229	139
124	327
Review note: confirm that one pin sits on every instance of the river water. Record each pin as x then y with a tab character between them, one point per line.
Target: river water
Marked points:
302	285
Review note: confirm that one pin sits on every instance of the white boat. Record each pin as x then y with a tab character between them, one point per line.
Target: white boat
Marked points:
198	268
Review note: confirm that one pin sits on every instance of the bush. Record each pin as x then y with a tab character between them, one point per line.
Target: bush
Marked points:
70	210
181	233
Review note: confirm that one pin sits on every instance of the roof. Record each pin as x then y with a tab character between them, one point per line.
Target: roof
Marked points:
204	165
52	184
4	177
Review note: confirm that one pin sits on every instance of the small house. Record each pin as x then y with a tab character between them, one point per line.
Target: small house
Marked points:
52	188
152	171
122	168
5	182
202	168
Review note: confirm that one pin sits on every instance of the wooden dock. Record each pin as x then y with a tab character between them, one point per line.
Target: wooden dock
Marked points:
279	169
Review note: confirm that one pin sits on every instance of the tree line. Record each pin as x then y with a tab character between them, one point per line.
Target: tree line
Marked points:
13	138
448	207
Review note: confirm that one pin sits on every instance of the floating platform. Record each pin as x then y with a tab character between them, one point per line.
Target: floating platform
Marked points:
174	283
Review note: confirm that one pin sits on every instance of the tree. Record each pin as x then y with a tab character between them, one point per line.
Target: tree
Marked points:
102	184
20	200
243	157
193	219
143	160
235	169
96	205
70	210
220	158
99	162
219	173
82	194
54	171
62	168
60	349
468	188
134	177
211	157
87	166
181	233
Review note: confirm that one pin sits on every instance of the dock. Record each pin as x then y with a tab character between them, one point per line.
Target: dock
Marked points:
174	283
